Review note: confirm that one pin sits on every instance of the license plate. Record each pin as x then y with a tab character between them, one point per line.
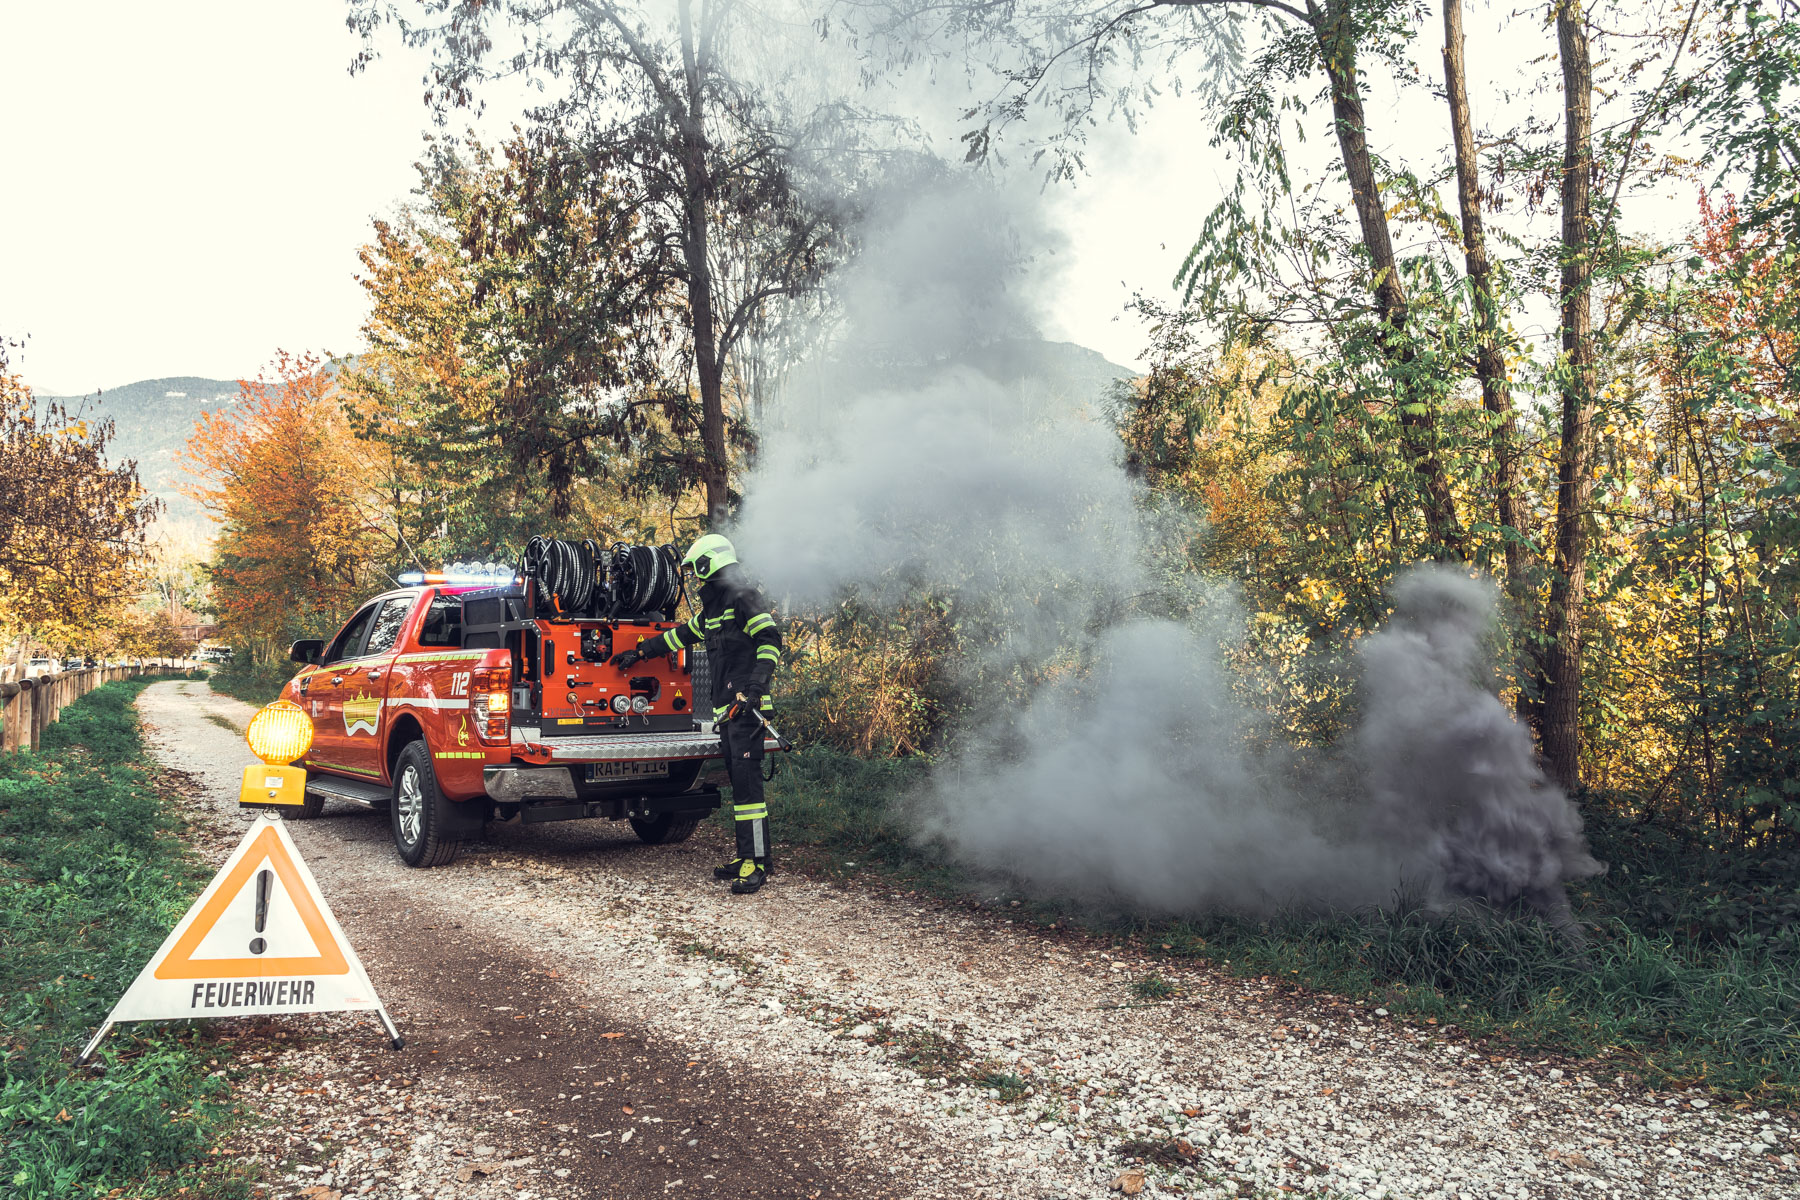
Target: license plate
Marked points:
599	771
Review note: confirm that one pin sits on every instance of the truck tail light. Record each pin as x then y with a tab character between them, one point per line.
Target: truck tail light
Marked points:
491	699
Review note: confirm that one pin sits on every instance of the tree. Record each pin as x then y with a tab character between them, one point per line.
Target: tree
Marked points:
1559	726
517	345
72	525
706	152
303	535
1490	357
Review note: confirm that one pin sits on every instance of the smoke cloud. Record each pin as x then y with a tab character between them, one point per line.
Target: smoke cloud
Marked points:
918	456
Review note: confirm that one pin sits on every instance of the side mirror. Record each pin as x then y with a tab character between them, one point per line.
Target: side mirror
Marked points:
307	650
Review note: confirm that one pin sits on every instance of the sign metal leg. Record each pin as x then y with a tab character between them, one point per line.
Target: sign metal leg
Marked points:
394	1037
88	1050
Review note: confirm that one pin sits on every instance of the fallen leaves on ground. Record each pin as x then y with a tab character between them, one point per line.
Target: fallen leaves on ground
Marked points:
1129	1182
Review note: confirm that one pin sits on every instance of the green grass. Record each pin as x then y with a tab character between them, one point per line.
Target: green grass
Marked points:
92	877
253	685
1153	987
1691	974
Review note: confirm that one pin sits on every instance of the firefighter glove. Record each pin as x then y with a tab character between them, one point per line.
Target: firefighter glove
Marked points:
626	659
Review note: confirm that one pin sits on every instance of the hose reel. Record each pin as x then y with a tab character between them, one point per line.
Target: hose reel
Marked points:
644	578
581	579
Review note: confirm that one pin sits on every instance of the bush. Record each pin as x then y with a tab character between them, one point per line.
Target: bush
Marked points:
250	683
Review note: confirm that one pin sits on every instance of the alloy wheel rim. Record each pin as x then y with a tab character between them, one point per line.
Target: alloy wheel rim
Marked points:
409	805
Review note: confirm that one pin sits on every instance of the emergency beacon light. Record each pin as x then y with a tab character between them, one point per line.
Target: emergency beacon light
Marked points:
278	735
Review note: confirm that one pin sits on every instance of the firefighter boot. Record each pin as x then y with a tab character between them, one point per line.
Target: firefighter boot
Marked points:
751	876
728	870
753	847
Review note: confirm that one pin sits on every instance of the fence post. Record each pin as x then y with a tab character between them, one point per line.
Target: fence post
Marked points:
9	715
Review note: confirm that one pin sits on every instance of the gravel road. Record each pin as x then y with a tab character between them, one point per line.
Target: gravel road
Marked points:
588	1016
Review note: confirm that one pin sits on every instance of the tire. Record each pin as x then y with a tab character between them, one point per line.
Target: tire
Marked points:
309	811
665	830
418	814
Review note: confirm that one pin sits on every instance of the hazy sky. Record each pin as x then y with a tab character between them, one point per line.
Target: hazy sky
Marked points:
186	185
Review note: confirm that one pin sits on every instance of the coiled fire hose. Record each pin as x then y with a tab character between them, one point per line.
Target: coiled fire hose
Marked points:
645	579
565	572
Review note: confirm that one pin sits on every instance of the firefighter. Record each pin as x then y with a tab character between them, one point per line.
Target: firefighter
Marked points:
743	644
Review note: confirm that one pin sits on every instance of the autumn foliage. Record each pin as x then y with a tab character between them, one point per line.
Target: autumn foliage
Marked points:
302	534
72	524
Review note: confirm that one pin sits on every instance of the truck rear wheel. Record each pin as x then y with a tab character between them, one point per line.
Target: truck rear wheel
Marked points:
665	830
418	815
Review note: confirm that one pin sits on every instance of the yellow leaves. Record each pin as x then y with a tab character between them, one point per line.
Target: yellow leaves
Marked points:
294	491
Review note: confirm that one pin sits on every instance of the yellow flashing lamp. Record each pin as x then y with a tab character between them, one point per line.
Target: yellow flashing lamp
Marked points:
279	734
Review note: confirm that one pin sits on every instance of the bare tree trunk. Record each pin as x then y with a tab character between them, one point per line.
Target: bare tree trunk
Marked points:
714	464
1337	51
1561	724
1490	362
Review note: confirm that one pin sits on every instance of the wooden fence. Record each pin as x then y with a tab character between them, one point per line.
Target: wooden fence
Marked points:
28	705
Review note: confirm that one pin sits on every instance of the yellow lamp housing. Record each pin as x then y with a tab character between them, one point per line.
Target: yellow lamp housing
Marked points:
279	734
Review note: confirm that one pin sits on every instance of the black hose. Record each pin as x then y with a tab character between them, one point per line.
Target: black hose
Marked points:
565	573
645	579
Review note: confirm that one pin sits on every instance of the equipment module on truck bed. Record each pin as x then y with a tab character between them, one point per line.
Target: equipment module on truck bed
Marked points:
485	693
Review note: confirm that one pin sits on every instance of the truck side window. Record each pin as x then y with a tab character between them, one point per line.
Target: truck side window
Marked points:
349	641
386	629
443	622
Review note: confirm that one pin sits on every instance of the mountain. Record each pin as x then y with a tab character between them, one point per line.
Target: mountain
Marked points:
152	419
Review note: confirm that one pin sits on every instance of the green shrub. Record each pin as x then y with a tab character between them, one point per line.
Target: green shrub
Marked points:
256	685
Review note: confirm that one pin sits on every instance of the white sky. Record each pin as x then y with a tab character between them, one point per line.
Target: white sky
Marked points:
186	185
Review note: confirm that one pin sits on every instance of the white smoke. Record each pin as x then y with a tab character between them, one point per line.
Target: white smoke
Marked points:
1132	776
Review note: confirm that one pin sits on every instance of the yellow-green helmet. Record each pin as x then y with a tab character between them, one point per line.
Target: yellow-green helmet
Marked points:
708	554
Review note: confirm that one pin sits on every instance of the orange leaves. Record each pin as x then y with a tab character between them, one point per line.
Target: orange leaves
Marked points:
292	487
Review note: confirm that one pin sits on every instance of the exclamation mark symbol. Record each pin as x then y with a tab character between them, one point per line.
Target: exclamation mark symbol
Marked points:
265	880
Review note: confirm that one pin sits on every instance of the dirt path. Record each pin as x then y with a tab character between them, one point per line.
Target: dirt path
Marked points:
563	987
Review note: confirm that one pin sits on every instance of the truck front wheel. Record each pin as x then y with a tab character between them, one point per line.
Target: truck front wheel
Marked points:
418	814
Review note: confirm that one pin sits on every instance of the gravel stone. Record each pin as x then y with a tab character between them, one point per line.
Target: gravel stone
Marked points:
1235	1087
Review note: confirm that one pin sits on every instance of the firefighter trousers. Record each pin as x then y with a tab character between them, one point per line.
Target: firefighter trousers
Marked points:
741	740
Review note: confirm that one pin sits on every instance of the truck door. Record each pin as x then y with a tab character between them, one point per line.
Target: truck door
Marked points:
365	689
327	688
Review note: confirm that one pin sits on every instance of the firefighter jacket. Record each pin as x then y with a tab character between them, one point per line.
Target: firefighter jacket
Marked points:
743	642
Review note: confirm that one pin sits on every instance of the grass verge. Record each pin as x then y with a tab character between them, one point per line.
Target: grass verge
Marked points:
1692	975
92	877
252	685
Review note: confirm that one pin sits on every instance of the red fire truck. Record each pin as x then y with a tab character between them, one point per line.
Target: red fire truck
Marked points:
485	693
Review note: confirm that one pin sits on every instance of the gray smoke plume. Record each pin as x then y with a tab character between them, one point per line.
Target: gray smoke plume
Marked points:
909	461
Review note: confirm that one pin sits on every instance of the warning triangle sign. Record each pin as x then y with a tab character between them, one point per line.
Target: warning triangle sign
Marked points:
260	939
257	919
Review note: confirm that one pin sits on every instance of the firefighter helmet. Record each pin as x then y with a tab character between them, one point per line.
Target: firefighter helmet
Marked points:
708	554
